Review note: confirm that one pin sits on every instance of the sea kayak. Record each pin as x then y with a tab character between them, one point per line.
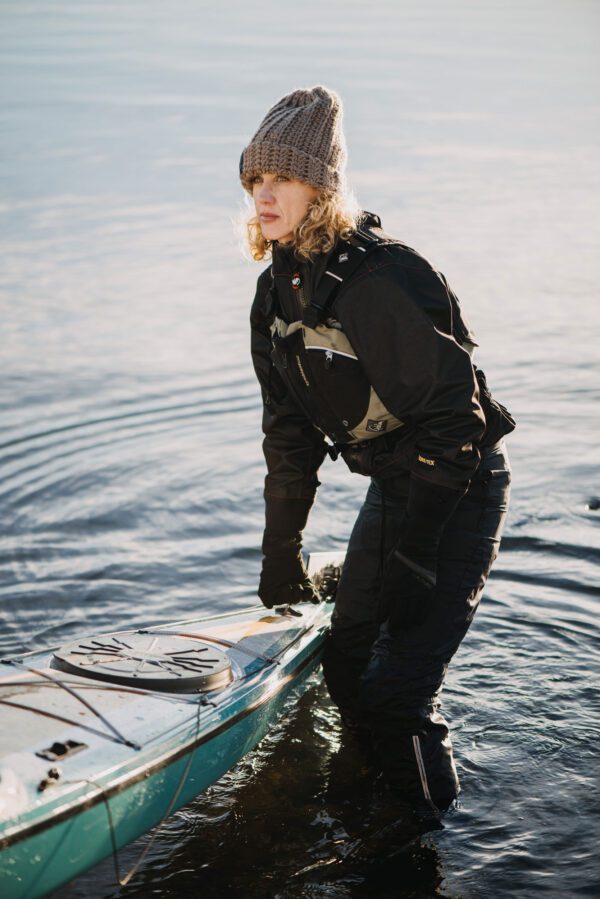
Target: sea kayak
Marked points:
104	738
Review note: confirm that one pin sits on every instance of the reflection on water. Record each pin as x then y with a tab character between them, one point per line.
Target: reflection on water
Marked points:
295	818
130	463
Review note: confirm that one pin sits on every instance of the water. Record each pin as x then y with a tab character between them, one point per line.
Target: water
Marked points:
130	462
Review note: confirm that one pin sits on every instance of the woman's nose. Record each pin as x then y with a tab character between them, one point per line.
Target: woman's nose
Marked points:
264	193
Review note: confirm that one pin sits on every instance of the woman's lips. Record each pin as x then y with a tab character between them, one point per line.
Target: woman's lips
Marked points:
268	217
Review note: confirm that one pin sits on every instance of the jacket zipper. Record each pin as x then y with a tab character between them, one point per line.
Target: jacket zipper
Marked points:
330	354
302	298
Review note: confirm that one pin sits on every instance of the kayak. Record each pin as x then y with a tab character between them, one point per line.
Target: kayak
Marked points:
104	738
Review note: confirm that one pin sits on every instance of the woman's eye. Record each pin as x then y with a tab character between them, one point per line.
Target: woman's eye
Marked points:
282	178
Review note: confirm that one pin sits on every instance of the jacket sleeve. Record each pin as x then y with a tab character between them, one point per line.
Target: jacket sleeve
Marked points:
293	448
420	372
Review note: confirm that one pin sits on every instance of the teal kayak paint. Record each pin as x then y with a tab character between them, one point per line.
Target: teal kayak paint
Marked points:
88	765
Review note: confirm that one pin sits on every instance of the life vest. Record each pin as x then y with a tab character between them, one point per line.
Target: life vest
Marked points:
327	379
319	365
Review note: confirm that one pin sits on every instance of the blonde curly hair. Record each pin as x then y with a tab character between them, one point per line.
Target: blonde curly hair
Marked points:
332	214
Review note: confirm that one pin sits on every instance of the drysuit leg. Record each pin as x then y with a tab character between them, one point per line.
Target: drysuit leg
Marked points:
400	685
355	619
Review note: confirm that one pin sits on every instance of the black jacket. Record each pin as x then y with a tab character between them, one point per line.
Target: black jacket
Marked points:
406	328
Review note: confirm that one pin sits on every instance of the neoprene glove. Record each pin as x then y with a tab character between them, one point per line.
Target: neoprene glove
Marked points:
409	581
283	580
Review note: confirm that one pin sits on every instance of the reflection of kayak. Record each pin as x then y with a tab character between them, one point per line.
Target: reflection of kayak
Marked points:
90	762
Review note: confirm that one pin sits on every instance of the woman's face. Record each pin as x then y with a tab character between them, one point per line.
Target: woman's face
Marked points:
281	204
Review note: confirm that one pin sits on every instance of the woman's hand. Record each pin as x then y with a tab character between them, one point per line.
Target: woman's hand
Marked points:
283	579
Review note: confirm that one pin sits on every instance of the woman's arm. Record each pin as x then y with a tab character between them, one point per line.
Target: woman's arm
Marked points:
422	375
294	450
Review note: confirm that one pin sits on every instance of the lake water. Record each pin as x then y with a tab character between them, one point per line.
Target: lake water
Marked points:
130	461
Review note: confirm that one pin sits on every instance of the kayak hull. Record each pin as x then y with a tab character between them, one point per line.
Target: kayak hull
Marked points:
147	756
83	838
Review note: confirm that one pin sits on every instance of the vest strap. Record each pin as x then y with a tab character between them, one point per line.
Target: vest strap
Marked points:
346	258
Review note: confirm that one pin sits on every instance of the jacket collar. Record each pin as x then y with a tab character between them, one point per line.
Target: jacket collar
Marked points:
285	260
369	220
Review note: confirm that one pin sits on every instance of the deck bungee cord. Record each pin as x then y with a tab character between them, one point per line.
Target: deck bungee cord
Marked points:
123	881
117	735
98	686
220	640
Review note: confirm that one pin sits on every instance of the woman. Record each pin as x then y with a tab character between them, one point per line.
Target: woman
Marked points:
361	350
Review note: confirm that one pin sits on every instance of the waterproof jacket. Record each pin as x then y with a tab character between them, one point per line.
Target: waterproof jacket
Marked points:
410	346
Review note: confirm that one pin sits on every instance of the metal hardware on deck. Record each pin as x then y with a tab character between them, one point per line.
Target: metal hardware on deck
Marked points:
59	751
51	779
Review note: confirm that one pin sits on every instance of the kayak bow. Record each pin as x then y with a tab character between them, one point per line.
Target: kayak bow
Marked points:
102	739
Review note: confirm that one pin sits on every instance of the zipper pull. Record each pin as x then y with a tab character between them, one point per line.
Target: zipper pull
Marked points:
328	358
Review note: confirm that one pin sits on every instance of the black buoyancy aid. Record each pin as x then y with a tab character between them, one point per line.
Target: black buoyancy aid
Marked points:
317	362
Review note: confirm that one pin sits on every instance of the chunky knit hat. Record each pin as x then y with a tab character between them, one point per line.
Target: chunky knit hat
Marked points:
301	136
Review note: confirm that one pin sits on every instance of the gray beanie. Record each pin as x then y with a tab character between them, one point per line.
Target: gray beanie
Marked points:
301	136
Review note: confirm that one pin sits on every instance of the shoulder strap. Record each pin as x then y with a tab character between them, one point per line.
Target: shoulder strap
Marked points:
347	256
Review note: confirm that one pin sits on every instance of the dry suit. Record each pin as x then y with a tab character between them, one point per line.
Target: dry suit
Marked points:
375	365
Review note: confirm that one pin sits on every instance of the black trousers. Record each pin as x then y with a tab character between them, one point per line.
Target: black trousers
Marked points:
392	686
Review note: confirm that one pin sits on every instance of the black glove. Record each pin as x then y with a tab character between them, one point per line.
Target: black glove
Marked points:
409	579
283	580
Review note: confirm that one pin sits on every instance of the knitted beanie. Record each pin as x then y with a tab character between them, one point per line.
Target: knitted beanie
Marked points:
302	137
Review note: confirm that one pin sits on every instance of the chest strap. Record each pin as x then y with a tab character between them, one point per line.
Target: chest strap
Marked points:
347	256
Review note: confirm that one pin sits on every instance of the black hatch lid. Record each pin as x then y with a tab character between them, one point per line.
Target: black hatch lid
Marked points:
149	661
